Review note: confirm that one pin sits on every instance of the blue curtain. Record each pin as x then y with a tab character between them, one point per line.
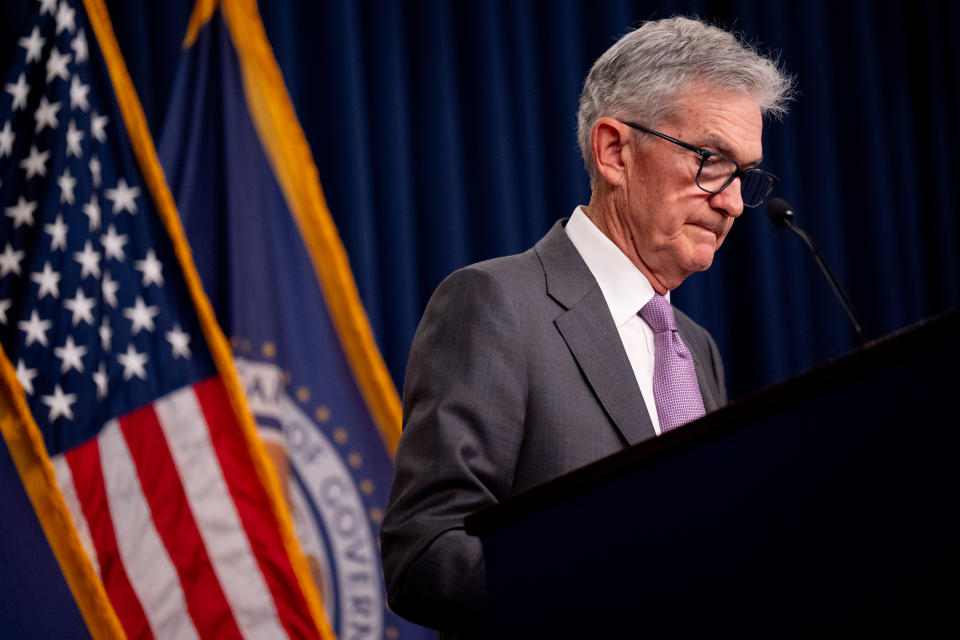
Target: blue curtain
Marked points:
444	133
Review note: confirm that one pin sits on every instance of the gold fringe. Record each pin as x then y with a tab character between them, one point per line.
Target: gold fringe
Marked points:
201	14
29	455
153	175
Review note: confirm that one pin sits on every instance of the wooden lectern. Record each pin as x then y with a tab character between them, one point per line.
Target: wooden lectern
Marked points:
827	504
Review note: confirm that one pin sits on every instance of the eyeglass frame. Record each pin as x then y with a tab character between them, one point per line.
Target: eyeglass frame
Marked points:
704	154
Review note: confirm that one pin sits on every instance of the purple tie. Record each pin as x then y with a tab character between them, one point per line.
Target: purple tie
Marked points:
675	388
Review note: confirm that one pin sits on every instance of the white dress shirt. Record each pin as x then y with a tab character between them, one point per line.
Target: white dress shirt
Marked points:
626	290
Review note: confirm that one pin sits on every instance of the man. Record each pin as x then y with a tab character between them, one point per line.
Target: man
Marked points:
529	366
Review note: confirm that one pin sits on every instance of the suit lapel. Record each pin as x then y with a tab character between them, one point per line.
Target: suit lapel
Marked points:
592	337
590	333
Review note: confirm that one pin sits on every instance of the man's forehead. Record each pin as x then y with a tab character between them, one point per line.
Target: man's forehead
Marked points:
724	121
713	141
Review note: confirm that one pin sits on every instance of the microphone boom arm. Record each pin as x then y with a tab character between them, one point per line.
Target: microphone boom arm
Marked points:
837	289
781	214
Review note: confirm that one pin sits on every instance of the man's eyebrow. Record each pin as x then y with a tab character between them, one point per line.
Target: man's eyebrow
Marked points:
715	142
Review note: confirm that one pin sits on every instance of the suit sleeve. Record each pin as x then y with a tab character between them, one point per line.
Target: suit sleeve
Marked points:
464	398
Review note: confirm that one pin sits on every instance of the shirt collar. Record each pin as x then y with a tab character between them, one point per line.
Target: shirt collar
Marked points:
624	287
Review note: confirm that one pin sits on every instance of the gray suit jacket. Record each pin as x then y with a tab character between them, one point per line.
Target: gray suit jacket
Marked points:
516	375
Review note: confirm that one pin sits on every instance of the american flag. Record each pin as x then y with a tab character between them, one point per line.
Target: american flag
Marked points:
98	321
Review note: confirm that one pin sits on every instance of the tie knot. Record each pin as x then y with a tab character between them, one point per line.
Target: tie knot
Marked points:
659	314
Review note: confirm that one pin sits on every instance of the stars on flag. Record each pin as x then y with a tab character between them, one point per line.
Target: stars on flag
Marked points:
33	44
69	289
60	404
141	316
106	334
133	363
35	329
7	136
10	260
57	65
57	231
82	308
151	268
22	212
78	94
66	18
66	182
48	6
89	260
74	138
122	196
94	166
180	341
71	355
92	211
49	281
113	244
98	127
101	379
35	164
109	289
79	46
26	375
46	114
19	90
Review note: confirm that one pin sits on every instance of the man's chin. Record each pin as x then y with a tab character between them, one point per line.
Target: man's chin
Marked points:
701	260
704	266
685	270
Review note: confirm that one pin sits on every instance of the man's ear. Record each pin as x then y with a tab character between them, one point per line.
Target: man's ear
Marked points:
607	140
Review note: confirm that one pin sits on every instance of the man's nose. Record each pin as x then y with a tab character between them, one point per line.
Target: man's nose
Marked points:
730	200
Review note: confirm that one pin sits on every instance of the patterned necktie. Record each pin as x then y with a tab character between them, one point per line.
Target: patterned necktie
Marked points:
675	389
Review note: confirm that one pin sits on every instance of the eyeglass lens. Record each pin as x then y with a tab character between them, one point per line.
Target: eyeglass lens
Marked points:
754	187
716	172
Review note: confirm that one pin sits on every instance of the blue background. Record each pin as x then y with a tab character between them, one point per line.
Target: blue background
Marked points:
444	133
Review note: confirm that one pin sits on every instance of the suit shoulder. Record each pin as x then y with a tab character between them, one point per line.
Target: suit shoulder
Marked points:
517	265
517	274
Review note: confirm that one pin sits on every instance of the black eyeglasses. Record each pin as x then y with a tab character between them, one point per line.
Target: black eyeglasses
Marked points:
717	171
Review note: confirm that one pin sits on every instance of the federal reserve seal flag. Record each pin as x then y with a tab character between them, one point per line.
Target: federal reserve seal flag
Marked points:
271	260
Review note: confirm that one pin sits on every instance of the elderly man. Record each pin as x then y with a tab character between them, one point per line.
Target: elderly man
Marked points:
529	366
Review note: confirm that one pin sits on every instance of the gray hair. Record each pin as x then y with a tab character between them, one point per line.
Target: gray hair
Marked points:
647	70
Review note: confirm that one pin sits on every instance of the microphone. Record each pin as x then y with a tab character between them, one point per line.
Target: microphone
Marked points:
781	214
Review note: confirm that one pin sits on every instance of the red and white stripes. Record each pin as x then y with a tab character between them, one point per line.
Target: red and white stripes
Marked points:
181	529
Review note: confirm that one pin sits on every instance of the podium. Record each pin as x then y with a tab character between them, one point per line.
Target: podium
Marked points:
827	504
